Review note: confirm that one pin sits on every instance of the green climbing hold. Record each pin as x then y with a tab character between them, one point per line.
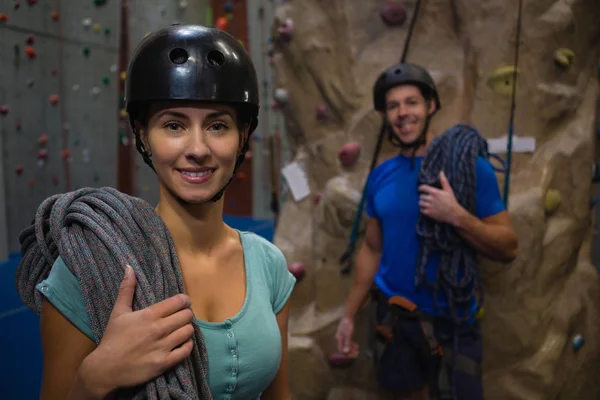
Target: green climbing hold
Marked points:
96	178
122	102
105	80
76	142
99	2
107	31
86	51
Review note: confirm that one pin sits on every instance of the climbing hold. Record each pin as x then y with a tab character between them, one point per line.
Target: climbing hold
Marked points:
564	57
228	7
96	178
182	4
43	140
53	99
54	71
596	172
322	112
42	154
4	109
86	51
97	27
31	182
222	23
86	22
30	40
578	342
17	5
552	200
123	75
248	155
30	83
105	80
30	52
281	96
317	198
286	30
123	113
76	142
18	127
107	31
392	13
349	153
19	169
85	154
344	360
501	80
65	154
99	2
55	15
113	68
32	2
75	87
481	313
55	180
95	91
297	269
3	17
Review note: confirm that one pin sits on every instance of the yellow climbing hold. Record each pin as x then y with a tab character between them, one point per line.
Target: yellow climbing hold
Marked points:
501	80
123	75
552	200
564	57
123	113
97	27
480	313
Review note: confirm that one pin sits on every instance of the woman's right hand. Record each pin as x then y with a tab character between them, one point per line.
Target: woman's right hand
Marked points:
344	334
138	346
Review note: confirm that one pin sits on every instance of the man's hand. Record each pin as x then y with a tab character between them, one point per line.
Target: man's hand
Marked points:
440	204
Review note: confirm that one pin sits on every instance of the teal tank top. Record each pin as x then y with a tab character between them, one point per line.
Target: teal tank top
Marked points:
244	352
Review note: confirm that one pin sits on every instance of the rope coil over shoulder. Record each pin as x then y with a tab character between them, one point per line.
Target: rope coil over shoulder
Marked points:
97	232
455	152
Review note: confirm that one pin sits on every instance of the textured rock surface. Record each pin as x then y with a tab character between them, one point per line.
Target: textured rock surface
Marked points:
536	305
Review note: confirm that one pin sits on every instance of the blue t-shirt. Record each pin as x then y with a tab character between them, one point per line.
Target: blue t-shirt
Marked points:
244	352
393	199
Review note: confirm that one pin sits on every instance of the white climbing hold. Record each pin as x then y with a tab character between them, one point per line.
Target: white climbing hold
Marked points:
183	4
95	91
86	22
113	68
281	96
86	155
76	88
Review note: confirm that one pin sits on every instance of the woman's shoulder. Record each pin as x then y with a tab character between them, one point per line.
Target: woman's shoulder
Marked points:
257	246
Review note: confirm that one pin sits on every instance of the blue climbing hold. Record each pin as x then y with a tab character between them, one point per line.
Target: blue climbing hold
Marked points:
578	342
229	7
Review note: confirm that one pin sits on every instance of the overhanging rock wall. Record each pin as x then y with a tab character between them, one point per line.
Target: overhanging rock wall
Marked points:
327	56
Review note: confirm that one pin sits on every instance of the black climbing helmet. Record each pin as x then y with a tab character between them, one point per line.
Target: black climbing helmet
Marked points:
402	74
197	63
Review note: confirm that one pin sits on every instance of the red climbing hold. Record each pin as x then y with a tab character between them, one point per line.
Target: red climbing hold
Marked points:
30	52
323	112
17	5
19	169
297	269
3	17
42	154
54	99
4	109
286	30
317	198
393	13
32	2
54	71
65	154
54	15
30	40
42	140
349	153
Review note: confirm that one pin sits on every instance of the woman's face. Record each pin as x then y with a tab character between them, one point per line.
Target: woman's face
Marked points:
193	148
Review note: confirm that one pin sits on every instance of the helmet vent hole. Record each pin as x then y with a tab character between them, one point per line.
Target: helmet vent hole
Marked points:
215	58
398	71
178	56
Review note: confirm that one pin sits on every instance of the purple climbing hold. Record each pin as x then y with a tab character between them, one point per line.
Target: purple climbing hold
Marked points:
393	13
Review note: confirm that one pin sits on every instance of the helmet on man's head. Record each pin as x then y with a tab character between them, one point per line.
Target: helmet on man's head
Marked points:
192	63
403	74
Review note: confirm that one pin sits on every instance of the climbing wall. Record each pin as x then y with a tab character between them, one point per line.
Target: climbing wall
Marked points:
541	321
61	119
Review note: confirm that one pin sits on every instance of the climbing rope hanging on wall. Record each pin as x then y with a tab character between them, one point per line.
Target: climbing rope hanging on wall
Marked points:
509	141
346	258
61	104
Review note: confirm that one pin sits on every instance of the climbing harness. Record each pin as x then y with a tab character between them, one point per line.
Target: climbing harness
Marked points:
346	258
509	142
398	329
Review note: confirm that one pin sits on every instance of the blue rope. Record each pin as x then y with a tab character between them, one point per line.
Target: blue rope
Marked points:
455	152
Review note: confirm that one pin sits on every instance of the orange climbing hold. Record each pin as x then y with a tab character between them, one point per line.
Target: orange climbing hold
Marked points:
3	17
55	15
349	153
30	52
222	23
54	99
65	154
42	140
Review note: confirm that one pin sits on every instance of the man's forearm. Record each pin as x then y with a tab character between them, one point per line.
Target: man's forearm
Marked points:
496	242
367	264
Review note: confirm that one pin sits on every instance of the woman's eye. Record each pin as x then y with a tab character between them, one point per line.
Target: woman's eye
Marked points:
172	126
218	126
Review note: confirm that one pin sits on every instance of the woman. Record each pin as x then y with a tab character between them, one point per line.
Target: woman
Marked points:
192	97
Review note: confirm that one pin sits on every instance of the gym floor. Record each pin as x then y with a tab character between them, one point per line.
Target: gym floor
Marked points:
20	347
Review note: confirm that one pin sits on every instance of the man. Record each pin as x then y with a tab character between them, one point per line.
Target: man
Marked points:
407	98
